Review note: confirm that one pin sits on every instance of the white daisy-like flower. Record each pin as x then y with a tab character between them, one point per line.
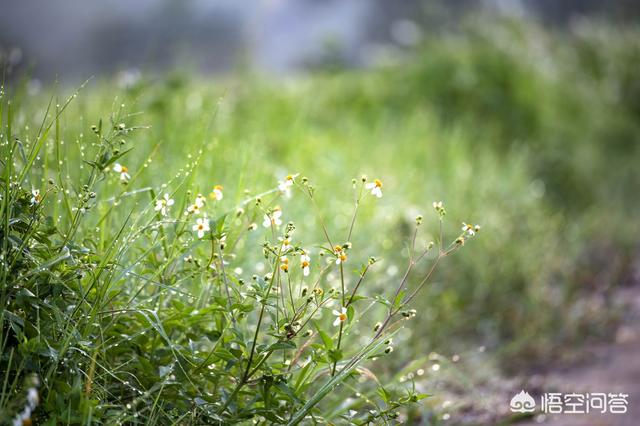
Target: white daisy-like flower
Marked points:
286	244
216	194
341	316
375	187
162	204
193	209
200	200
274	219
123	170
35	197
341	256
305	261
201	226
470	229
285	185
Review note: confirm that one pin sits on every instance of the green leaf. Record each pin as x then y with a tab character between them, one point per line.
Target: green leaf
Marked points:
286	344
351	312
220	224
106	162
326	339
384	394
224	354
288	391
398	300
335	355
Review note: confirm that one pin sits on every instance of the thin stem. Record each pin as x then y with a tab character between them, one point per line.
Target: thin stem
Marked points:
335	362
355	212
226	282
355	289
293	305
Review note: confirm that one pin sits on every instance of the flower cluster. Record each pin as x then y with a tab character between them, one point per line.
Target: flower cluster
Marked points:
468	231
284	286
340	253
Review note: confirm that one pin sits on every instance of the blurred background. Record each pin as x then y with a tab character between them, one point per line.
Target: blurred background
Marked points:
71	40
524	116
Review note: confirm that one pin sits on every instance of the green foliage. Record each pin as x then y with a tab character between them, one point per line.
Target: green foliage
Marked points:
155	320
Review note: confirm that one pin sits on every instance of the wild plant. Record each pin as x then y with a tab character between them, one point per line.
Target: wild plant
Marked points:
170	304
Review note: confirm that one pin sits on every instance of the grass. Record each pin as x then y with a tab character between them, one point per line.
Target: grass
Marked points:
118	314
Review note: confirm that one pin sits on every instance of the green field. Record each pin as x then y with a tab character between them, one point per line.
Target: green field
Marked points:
126	317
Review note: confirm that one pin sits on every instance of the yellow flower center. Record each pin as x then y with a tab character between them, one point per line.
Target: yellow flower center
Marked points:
305	263
200	227
217	188
124	169
343	257
378	183
342	317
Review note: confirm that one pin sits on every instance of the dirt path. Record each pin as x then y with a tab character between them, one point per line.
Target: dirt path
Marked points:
613	367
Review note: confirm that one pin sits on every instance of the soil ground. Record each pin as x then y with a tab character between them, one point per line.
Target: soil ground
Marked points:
612	367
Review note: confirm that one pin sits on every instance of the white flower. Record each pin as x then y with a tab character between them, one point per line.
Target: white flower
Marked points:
200	200
305	261
193	209
286	244
163	203
35	197
216	194
274	219
285	185
201	226
341	316
470	229
375	187
341	256
123	170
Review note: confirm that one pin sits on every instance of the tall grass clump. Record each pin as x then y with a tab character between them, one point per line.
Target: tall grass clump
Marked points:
171	303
